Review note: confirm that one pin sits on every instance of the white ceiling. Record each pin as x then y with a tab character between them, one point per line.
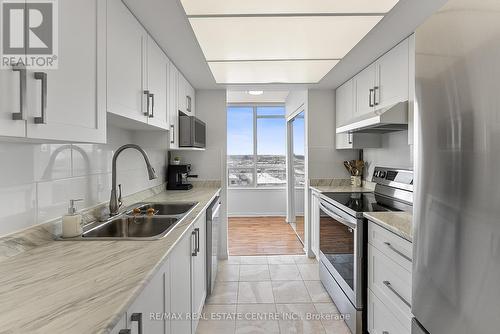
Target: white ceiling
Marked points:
287	33
168	24
262	72
265	38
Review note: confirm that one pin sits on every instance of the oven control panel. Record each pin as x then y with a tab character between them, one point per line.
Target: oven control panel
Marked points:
389	176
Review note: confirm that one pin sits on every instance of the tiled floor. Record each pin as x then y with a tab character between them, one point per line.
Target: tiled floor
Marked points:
270	294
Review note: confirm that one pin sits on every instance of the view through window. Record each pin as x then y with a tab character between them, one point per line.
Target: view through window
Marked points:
256	149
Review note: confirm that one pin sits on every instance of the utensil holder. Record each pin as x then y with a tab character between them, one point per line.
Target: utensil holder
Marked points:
356	181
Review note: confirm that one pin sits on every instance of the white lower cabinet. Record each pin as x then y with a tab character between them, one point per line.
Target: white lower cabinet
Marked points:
141	315
121	326
198	270
315	223
180	276
389	282
176	294
380	319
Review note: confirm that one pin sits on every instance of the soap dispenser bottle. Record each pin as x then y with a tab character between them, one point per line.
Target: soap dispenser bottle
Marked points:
71	223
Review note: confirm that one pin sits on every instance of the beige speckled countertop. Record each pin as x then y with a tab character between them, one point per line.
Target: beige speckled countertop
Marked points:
397	222
341	189
85	286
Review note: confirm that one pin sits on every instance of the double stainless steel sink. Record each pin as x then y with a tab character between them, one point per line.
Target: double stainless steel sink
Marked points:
141	221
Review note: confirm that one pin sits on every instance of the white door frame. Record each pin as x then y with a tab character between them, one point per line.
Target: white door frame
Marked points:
290	184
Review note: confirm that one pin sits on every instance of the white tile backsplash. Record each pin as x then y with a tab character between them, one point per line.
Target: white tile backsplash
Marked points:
38	180
52	161
17	207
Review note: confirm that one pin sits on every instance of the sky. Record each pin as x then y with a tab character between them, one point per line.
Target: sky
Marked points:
271	133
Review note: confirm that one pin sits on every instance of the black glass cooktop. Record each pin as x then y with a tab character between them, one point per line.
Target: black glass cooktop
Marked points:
365	202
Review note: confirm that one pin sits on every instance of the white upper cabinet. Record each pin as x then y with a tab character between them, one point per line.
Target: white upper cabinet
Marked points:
173	112
345	106
127	42
67	103
392	76
364	87
191	99
157	86
380	85
186	96
138	71
344	103
181	93
383	83
13	102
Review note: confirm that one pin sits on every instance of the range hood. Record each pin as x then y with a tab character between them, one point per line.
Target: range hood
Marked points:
390	119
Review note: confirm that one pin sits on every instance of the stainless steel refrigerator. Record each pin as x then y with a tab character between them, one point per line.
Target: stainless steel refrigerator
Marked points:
456	269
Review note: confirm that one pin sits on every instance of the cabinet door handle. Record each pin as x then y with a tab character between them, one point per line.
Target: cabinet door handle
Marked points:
349	137
389	286
19	116
146	113
370	98
385	332
137	317
173	134
375	89
391	247
194	253
43	77
197	230
188	103
125	331
152	96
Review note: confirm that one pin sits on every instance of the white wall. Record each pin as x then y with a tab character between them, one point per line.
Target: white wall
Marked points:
395	152
325	161
261	202
295	100
37	180
211	163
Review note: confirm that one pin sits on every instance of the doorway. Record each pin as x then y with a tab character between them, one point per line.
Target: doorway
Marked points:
296	173
257	179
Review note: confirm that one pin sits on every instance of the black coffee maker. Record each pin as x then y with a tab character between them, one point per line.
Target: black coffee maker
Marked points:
177	176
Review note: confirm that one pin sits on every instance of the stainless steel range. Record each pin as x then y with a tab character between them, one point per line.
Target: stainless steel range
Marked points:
343	238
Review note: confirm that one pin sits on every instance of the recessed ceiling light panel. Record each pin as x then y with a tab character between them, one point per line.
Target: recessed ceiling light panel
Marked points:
264	72
266	7
255	92
273	38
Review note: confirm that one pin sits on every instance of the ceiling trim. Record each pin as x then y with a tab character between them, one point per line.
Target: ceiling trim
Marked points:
268	60
208	16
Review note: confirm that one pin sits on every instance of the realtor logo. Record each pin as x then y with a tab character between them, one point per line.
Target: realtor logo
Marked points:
29	33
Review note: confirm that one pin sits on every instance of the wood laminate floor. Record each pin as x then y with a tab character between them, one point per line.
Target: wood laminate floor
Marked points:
262	236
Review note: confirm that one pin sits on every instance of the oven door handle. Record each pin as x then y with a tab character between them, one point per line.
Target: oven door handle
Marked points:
337	217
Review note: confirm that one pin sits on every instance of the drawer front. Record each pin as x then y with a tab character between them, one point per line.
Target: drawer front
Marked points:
381	320
392	245
390	282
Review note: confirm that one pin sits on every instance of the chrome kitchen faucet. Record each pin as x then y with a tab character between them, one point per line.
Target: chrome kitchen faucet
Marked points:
114	202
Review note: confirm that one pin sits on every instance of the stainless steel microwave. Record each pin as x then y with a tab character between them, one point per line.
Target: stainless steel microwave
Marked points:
192	132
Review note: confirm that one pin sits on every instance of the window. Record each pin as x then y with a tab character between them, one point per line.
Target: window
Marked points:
256	146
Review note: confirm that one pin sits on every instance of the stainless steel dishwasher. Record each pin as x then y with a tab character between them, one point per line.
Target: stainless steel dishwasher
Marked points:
213	223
